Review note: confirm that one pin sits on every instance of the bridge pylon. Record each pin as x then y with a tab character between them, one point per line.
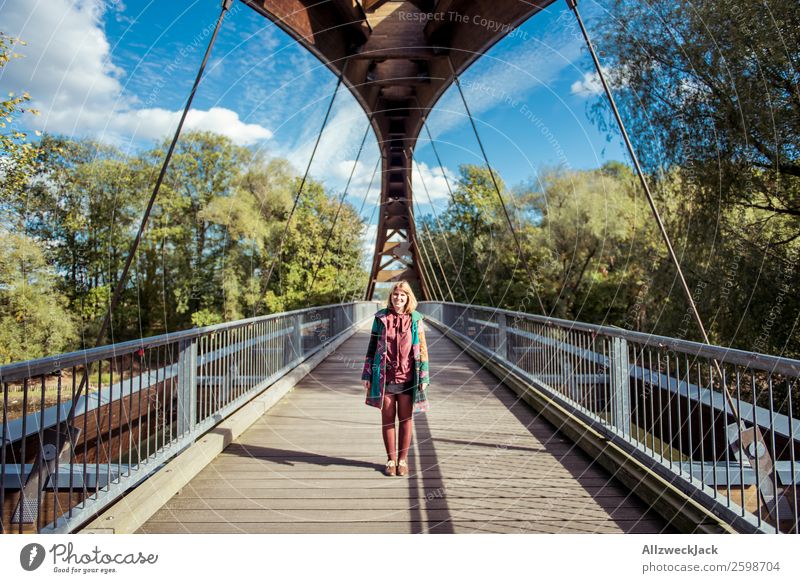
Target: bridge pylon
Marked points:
397	59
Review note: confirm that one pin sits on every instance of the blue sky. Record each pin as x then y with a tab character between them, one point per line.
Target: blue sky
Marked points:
120	70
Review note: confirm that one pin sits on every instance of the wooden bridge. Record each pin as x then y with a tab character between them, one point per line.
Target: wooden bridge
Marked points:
537	424
482	461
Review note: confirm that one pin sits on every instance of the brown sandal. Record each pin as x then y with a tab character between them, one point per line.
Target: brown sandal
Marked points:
391	468
402	468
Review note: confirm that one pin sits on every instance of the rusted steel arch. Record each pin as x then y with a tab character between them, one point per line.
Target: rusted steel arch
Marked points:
393	57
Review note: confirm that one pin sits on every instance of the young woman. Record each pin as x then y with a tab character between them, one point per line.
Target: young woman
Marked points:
396	372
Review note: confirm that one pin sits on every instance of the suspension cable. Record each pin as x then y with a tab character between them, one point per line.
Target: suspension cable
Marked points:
364	202
339	208
419	243
497	188
369	222
41	467
305	177
435	252
640	173
444	237
429	270
430	263
369	187
458	269
425	269
415	254
439	263
226	4
771	497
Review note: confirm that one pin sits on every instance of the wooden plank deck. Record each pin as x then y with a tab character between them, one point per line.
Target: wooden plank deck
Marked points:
481	461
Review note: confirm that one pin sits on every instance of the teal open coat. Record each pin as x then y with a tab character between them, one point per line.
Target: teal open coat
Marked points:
375	362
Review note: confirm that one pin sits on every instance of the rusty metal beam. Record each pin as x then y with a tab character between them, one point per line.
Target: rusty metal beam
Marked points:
397	55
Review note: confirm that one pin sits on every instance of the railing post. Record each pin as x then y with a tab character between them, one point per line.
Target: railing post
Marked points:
187	385
568	380
297	336
620	385
502	337
333	324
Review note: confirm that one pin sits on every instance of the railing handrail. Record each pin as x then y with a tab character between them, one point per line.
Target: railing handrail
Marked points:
692	391
179	387
48	364
656	398
775	364
91	400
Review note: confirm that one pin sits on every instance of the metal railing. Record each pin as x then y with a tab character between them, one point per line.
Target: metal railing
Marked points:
143	402
664	398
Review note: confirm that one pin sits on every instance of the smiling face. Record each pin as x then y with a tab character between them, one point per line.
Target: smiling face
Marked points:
399	300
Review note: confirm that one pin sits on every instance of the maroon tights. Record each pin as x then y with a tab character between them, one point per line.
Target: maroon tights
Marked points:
402	407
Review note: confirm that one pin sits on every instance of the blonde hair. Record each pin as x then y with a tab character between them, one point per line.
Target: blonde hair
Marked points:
411	305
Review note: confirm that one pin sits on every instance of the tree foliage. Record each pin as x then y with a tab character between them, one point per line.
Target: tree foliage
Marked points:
212	236
596	256
17	154
710	92
34	319
713	87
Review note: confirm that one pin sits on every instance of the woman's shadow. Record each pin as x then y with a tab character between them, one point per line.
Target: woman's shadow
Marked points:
287	457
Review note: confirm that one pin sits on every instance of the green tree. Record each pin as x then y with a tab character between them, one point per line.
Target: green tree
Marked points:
17	154
211	238
339	273
741	287
474	229
81	205
712	87
34	319
709	92
205	168
594	237
250	218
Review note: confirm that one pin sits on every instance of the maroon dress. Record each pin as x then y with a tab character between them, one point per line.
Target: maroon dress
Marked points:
399	361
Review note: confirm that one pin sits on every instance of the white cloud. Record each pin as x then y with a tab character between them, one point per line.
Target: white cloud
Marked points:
155	123
337	150
590	85
335	155
368	245
340	139
434	181
369	238
362	177
68	70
